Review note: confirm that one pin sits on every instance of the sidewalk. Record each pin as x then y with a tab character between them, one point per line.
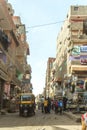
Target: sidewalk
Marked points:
76	116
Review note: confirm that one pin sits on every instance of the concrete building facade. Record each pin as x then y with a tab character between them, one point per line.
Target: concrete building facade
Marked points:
49	78
71	55
13	52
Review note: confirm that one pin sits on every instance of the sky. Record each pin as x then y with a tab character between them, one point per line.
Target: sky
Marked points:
42	38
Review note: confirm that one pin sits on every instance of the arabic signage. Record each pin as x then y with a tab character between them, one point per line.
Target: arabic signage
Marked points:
79	53
83	48
83	59
74	58
78	50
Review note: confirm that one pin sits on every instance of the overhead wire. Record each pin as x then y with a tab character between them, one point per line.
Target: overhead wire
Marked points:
47	24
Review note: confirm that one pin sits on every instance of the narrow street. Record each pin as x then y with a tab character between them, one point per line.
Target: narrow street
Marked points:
52	121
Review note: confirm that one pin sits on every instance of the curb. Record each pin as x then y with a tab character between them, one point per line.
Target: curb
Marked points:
75	117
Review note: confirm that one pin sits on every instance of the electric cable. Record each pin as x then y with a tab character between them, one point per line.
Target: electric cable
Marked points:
47	24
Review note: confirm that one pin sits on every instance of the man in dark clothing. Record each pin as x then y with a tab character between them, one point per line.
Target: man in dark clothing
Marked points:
42	107
60	106
49	105
56	106
64	103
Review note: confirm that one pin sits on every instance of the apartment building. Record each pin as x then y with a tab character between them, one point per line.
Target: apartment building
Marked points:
13	51
49	77
21	55
71	55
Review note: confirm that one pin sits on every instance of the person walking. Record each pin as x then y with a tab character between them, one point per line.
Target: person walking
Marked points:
42	107
64	103
56	106
60	105
49	105
45	105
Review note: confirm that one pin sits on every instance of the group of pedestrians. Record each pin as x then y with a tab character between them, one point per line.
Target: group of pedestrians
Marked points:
57	105
46	105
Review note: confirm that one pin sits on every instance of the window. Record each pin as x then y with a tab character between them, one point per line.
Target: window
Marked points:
8	9
85	27
76	8
26	98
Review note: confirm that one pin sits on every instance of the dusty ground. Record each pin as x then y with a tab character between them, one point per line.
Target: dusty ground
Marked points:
40	121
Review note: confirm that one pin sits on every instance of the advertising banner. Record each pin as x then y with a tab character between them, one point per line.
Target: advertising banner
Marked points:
83	48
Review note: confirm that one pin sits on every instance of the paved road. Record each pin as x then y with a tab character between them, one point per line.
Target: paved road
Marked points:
40	121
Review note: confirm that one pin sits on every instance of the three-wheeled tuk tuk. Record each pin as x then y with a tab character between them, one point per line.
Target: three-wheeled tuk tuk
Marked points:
26	104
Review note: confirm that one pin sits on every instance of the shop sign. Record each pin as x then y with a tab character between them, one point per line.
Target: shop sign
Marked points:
83	48
74	58
80	82
79	89
76	50
83	61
